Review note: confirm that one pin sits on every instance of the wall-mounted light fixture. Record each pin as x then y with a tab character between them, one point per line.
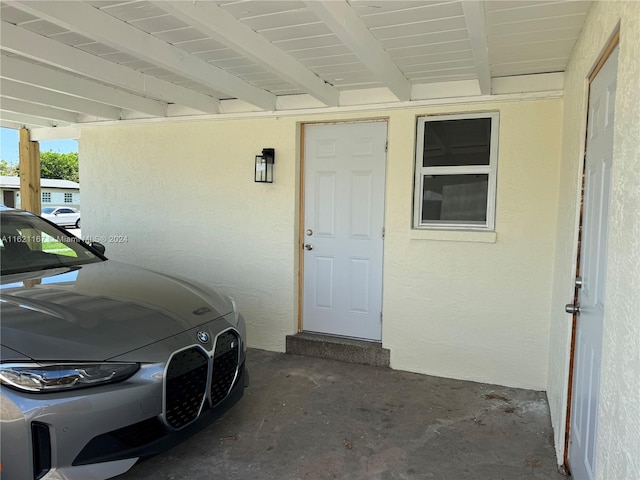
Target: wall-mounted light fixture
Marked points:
264	165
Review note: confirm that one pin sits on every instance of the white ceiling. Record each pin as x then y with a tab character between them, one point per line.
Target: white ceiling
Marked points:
74	62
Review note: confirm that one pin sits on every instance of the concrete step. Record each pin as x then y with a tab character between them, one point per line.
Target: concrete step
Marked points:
338	348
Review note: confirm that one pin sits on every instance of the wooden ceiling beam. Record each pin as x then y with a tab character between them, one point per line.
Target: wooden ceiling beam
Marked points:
86	20
476	24
56	54
343	21
215	22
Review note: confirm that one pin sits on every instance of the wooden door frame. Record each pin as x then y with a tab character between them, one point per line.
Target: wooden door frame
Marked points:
612	44
301	205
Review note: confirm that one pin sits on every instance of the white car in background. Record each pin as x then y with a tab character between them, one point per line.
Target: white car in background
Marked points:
64	216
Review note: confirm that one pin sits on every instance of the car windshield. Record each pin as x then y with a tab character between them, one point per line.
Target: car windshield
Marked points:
28	244
48	209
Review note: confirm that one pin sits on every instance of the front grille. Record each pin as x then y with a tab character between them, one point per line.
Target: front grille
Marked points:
186	386
225	366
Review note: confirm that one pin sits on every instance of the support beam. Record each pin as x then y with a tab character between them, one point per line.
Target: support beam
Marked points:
15	90
55	133
84	19
6	123
474	16
53	114
30	198
42	49
217	23
43	77
23	120
340	17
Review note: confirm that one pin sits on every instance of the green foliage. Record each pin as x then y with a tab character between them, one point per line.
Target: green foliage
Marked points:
8	170
63	166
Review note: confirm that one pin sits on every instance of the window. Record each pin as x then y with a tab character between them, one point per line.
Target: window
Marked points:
68	198
455	179
46	197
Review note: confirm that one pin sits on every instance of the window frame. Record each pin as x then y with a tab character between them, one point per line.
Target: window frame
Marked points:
69	196
46	197
490	170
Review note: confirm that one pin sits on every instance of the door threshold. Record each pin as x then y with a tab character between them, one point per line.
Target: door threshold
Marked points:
338	348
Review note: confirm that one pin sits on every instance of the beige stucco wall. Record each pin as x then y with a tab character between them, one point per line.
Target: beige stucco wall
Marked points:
618	445
478	309
183	195
469	309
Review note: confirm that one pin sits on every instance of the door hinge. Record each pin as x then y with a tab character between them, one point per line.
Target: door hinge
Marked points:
383	233
386	146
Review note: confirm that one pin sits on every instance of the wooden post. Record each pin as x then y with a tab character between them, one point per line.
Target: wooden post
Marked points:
29	173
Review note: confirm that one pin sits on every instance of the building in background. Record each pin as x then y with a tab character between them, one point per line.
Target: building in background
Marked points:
55	193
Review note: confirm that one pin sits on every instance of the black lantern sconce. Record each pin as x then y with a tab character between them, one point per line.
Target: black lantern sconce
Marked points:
264	165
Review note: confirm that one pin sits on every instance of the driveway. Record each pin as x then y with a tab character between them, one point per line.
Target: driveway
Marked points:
309	418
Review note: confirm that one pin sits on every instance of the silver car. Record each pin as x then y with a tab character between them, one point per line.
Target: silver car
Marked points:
103	363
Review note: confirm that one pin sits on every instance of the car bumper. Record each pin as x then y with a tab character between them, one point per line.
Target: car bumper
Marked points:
100	432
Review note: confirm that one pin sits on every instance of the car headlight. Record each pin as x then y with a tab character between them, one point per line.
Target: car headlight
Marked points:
56	377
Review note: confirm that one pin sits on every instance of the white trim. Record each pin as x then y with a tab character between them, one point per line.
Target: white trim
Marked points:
458	88
55	133
473	236
489	170
443	102
539	82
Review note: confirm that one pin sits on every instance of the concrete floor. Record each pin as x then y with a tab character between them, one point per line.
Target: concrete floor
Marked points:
309	418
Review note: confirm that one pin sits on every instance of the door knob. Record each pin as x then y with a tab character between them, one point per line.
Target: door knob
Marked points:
573	309
308	246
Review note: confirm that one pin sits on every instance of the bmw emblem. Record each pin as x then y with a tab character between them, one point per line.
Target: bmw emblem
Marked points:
203	336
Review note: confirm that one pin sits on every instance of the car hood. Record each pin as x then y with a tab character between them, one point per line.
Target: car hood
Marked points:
99	311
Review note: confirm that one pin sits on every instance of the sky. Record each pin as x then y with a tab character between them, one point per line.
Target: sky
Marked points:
9	145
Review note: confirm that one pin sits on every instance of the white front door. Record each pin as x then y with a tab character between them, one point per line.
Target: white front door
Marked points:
593	266
343	229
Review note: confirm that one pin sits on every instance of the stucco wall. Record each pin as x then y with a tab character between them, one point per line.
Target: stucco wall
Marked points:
183	195
456	306
618	456
478	309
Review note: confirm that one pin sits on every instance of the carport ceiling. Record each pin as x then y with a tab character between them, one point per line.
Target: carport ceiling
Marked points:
76	62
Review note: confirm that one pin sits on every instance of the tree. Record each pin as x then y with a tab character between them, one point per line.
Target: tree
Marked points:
8	170
63	166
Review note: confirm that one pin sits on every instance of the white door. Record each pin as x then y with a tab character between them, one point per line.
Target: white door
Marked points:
593	266
343	229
